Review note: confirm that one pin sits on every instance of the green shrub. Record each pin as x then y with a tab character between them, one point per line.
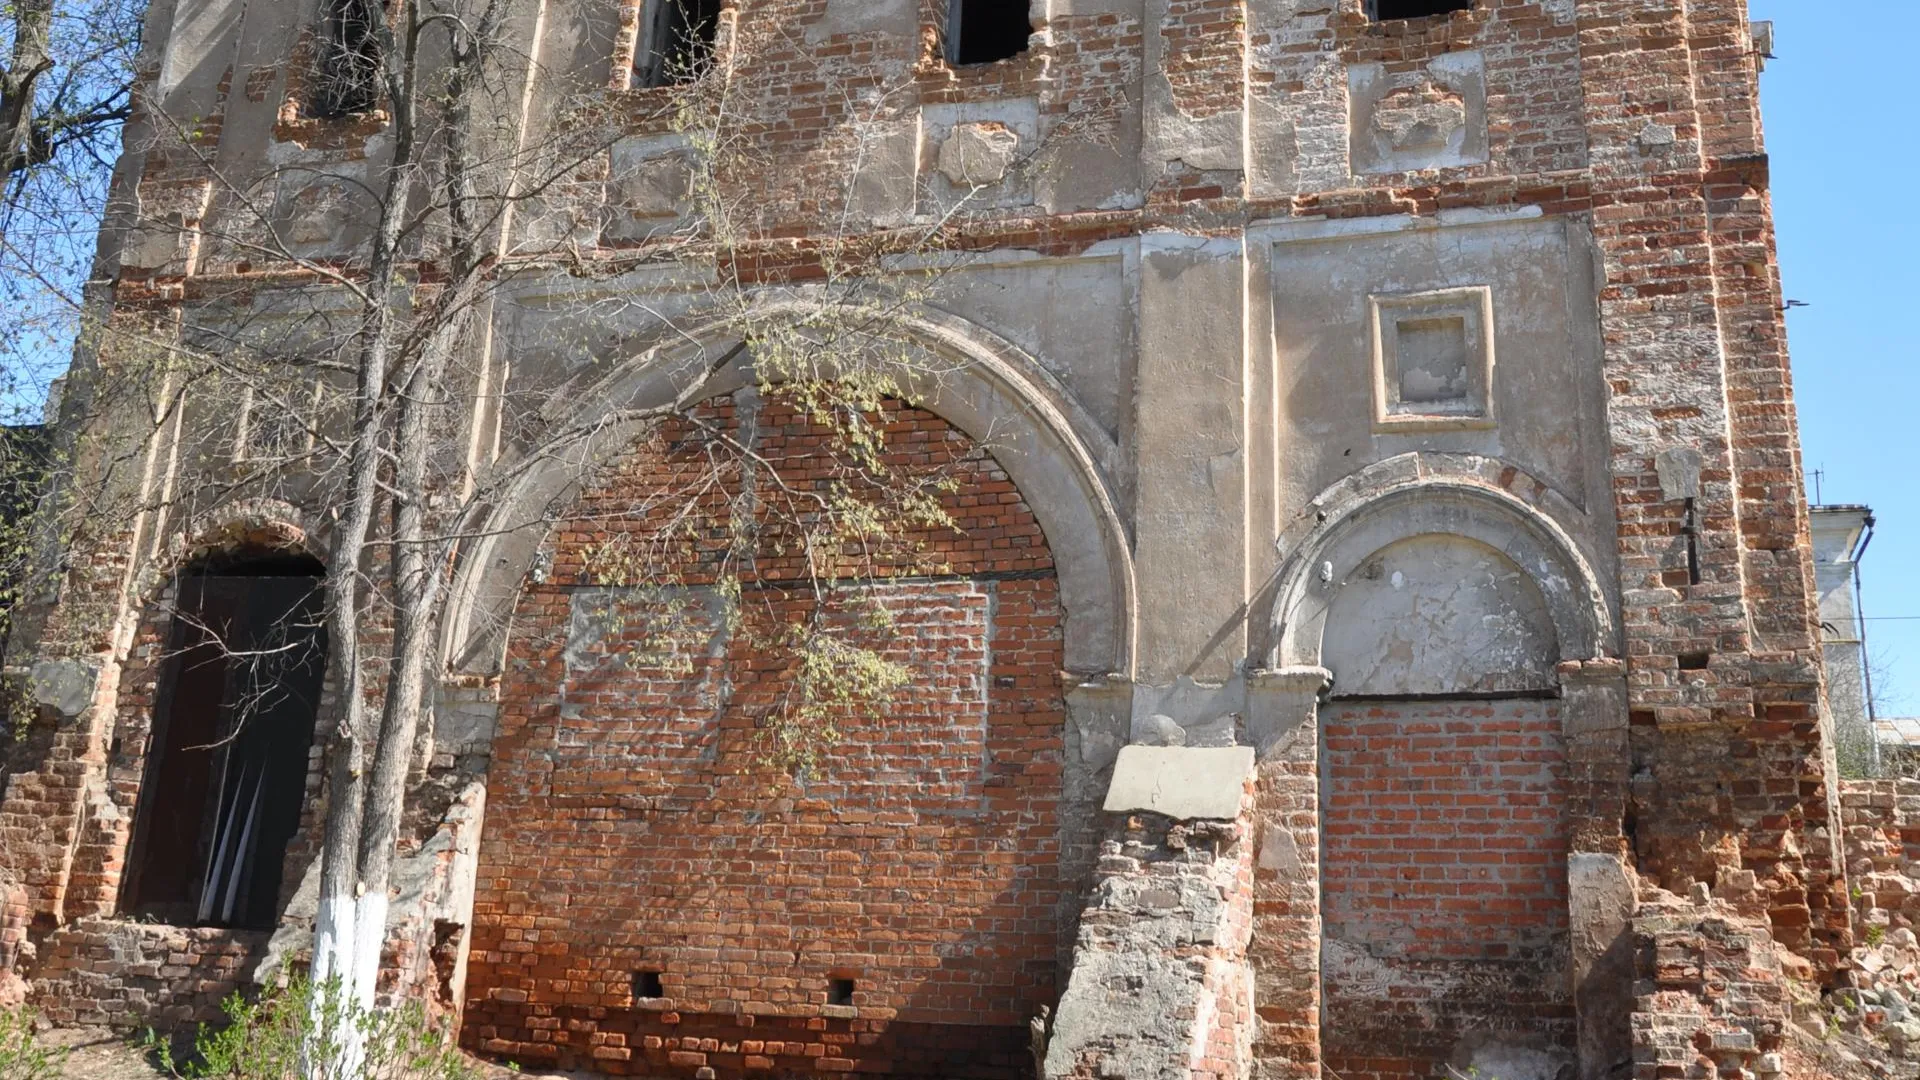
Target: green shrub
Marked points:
21	1055
276	1036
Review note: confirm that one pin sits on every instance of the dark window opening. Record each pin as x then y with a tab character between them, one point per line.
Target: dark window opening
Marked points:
1695	661
347	64
676	42
646	984
983	31
840	992
1388	10
233	725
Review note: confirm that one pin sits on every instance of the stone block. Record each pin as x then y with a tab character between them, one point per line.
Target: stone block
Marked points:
65	686
1181	782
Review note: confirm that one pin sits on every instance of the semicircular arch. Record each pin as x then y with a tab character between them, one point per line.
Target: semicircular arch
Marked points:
1354	529
991	391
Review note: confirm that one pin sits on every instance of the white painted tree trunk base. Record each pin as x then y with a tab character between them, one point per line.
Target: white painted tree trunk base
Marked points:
347	937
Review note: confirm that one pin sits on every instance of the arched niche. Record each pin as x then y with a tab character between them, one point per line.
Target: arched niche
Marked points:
1051	449
1357	717
1439	614
1335	555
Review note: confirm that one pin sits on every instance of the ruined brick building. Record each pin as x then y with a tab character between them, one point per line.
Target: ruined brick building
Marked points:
1380	636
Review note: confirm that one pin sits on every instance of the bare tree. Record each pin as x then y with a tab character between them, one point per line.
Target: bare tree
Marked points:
69	79
66	75
65	91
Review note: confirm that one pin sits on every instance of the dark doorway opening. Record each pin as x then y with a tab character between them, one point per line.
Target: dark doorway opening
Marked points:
1388	10
226	770
676	42
984	31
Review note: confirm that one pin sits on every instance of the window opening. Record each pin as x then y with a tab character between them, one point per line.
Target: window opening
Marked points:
1389	10
985	31
347	69
676	42
226	770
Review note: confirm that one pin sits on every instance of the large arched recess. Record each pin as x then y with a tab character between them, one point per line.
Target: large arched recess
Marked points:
932	886
1052	450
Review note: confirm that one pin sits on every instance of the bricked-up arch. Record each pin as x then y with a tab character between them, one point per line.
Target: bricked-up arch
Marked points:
1052	450
1417	695
1444	832
653	900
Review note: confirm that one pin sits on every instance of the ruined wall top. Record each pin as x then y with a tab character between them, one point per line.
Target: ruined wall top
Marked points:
1077	121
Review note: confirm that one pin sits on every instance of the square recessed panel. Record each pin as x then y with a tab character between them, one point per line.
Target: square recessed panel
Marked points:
1433	359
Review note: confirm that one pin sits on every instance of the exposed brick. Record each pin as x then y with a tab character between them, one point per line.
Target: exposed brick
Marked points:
1446	866
635	826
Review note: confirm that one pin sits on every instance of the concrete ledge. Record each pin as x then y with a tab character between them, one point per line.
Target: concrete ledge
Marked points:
1185	783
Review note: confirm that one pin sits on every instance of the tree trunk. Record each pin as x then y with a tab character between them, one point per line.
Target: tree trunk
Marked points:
19	145
350	921
336	929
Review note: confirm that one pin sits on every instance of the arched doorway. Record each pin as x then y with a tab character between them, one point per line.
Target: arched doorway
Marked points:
225	775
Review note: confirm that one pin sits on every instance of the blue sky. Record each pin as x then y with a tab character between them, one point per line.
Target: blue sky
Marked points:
1843	157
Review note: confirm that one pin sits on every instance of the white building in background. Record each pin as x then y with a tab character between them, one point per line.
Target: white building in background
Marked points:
1841	534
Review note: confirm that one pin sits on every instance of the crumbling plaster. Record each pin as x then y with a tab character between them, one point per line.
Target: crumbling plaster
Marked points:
1434	614
1351	526
1309	297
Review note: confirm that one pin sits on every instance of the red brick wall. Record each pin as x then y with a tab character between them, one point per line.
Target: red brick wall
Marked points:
635	825
1445	866
1691	312
135	975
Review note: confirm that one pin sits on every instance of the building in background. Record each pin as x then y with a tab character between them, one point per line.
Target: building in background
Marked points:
1841	533
1866	743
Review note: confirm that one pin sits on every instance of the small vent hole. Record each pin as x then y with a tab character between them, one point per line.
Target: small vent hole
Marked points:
646	984
1695	661
840	992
